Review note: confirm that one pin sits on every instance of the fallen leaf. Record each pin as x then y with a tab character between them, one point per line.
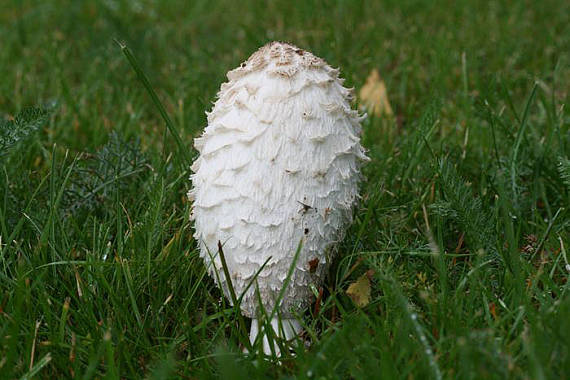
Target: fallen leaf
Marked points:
359	291
374	96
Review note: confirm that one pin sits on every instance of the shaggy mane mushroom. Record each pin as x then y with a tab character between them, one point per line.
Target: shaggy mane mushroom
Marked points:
278	169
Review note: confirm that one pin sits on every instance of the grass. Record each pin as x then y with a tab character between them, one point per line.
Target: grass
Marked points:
464	220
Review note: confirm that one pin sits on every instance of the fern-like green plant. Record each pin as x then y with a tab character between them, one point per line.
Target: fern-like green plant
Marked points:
117	165
459	205
25	124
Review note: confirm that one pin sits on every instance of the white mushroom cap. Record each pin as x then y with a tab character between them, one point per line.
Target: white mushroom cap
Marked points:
279	165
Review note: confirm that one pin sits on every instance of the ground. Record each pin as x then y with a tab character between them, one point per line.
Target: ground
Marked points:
462	234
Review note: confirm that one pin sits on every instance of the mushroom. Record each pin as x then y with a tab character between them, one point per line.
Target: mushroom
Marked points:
275	182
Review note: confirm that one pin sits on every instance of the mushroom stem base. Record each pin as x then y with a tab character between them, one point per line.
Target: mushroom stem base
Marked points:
284	329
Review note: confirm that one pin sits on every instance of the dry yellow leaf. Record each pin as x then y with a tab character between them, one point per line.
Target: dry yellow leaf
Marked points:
374	96
359	291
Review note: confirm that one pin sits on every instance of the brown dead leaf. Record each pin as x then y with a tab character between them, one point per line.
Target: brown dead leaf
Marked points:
359	291
374	96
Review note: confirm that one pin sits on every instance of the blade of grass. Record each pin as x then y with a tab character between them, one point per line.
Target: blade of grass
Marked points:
518	140
287	280
412	317
234	298
37	367
146	83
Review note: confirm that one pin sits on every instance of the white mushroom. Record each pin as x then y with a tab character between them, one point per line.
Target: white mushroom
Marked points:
278	167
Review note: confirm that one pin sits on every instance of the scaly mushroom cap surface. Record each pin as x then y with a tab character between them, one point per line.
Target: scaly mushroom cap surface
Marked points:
279	165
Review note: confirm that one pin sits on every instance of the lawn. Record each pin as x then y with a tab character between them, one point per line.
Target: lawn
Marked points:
463	228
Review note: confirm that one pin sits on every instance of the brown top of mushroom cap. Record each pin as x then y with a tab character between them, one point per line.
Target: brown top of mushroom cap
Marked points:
279	58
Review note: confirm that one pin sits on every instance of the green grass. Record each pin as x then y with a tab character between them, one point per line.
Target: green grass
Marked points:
465	214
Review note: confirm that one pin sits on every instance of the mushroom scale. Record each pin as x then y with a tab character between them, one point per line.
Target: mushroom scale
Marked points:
278	169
